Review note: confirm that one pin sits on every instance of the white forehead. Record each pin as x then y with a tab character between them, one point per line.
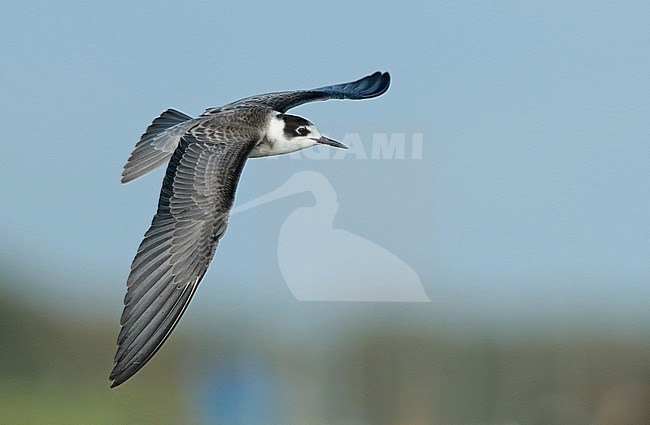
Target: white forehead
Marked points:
313	131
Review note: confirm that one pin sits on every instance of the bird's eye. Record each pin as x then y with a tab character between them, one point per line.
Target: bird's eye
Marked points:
302	131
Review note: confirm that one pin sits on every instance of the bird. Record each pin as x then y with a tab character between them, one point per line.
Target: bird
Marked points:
205	157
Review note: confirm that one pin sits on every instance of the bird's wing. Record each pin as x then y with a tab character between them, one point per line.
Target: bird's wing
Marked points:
367	87
157	144
195	201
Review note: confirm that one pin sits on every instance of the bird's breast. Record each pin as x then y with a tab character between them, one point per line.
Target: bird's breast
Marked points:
270	148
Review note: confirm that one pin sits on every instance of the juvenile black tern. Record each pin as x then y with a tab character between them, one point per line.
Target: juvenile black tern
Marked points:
205	157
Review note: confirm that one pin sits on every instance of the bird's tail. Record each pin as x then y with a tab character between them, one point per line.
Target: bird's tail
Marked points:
157	144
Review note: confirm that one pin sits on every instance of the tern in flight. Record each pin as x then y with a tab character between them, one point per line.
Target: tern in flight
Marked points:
205	158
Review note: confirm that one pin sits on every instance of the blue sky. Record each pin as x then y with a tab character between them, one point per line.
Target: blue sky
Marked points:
531	196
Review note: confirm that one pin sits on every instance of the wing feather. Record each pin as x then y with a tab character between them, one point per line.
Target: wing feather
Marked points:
364	88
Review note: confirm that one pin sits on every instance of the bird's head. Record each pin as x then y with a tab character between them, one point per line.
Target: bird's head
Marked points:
290	133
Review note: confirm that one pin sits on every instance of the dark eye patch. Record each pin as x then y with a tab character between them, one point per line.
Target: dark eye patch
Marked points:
295	126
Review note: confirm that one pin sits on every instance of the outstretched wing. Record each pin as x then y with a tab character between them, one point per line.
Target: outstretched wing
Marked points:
157	144
367	87
195	201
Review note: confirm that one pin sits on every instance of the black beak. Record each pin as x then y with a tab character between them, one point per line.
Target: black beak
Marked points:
326	141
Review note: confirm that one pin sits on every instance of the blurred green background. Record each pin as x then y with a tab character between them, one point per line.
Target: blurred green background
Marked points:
525	216
386	370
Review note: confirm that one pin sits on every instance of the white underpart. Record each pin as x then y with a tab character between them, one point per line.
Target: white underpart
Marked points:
280	143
